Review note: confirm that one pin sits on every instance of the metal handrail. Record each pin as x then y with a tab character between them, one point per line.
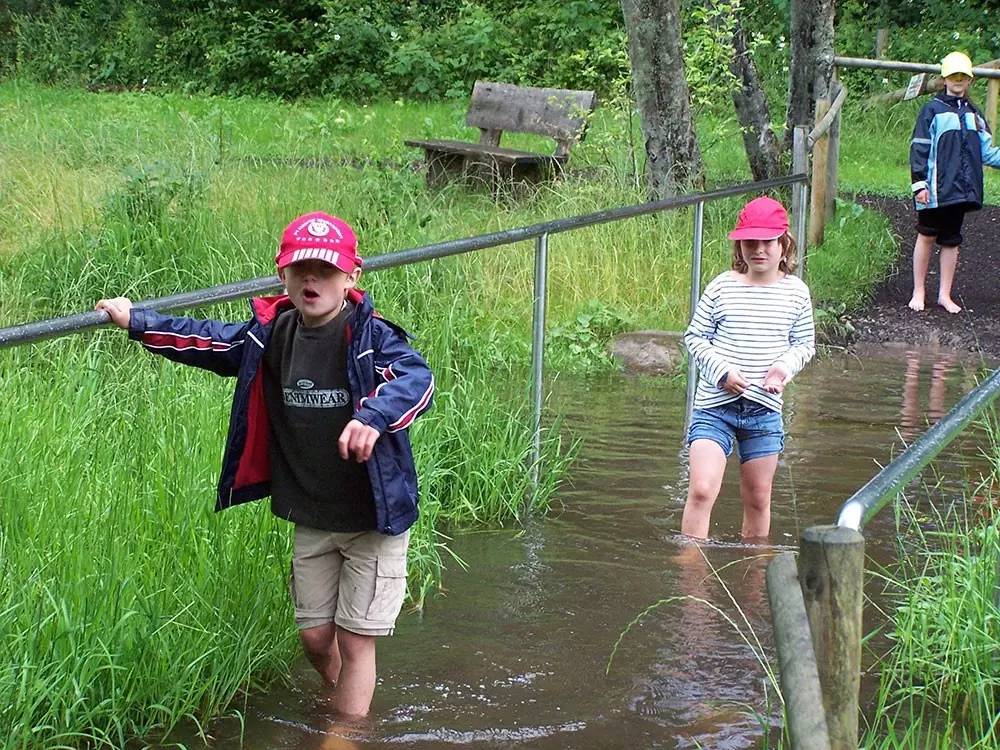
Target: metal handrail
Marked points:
905	67
54	327
864	504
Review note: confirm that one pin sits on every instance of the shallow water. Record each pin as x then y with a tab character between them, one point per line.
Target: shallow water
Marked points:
520	650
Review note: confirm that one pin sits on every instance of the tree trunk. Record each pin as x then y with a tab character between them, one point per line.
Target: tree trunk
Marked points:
759	141
811	68
673	159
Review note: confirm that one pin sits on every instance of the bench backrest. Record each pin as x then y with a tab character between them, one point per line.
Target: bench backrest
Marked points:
558	113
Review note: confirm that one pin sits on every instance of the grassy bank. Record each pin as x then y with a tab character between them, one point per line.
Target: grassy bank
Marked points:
939	685
127	603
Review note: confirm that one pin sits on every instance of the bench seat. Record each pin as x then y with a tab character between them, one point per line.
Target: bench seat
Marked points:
498	153
560	114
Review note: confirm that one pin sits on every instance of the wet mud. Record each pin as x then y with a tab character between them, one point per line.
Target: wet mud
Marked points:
976	287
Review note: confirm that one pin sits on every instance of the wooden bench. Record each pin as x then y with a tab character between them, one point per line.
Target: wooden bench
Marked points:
560	114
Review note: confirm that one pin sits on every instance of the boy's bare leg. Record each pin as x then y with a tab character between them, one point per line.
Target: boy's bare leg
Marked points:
756	477
321	647
356	685
921	262
708	465
949	262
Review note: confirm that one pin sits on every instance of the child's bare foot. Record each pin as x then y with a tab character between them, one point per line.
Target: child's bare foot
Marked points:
949	305
916	301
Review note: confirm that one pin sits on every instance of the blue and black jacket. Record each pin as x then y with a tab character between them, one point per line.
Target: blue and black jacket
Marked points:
951	143
397	383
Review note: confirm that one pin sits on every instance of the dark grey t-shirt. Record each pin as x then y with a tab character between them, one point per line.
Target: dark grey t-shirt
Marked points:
309	403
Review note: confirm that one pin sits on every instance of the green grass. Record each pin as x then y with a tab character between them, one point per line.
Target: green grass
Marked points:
939	683
127	603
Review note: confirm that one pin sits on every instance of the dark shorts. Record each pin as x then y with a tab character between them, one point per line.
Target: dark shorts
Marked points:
757	430
944	223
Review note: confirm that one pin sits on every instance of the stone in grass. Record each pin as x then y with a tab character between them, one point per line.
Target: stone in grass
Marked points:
648	352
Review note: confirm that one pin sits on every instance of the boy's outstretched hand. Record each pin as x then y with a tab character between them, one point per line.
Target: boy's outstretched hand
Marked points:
118	308
776	379
357	440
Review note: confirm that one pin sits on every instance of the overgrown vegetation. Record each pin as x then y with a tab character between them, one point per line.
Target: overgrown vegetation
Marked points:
111	456
939	685
362	49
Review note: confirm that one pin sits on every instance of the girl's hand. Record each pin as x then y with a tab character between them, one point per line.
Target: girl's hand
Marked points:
922	196
357	440
735	382
118	309
776	378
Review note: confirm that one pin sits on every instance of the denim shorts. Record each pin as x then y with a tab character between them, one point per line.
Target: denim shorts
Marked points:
757	429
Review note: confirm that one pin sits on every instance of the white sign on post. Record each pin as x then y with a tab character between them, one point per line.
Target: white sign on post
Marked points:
915	86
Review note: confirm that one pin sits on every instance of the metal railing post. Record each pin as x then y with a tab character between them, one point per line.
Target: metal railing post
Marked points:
831	573
697	242
800	197
538	349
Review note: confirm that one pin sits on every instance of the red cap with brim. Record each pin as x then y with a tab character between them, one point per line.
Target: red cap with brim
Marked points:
319	236
761	219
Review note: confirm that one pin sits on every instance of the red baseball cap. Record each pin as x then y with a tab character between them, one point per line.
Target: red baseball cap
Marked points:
761	219
322	237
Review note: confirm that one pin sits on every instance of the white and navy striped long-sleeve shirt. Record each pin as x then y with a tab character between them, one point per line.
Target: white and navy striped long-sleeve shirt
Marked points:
749	327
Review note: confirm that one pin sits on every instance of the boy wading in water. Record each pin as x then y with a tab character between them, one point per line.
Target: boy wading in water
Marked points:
325	390
751	332
951	143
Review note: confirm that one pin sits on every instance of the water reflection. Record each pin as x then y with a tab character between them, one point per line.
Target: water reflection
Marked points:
913	418
516	651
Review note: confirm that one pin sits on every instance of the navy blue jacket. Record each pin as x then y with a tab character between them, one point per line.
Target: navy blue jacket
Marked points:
951	143
396	381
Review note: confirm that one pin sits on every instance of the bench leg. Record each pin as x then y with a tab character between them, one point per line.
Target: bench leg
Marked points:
442	168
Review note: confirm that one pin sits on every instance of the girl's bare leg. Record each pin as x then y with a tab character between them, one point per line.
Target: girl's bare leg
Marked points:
707	467
756	477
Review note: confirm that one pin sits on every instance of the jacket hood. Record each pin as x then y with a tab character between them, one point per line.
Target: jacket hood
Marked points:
268	308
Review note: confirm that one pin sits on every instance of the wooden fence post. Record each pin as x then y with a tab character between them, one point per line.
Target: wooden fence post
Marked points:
817	207
992	94
833	156
800	196
805	716
881	42
831	572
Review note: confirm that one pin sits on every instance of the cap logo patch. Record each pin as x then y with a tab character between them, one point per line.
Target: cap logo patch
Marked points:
305	384
318	228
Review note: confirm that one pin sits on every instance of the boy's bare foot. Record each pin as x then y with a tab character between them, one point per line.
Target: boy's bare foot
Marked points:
949	305
916	302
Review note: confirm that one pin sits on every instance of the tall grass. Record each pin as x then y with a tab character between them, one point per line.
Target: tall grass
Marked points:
127	604
940	682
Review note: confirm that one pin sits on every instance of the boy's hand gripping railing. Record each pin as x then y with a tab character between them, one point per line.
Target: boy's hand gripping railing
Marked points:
830	583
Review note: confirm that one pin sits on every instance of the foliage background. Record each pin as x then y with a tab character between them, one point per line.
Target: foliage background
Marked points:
366	49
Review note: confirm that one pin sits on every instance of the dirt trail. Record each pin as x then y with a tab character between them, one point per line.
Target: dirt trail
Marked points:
977	327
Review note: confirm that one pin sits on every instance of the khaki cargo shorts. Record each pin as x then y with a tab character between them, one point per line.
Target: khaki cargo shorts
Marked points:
356	579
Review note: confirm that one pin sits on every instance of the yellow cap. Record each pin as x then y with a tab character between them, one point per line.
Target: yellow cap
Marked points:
956	62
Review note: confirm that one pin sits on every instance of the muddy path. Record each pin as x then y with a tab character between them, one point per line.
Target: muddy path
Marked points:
977	327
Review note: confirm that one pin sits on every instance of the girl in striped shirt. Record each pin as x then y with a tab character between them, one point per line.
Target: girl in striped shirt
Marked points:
750	334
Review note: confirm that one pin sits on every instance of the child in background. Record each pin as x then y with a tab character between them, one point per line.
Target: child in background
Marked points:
750	334
325	389
951	142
